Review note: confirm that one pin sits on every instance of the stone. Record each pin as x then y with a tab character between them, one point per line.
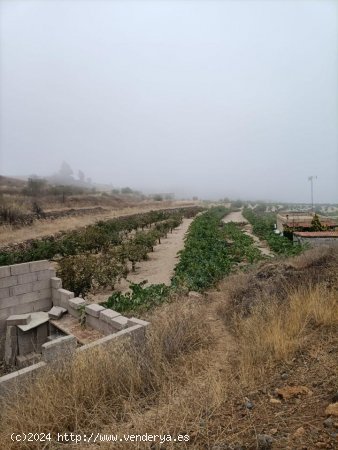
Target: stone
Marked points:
328	423
264	441
194	294
18	319
108	314
275	401
94	309
56	312
332	410
248	404
288	392
120	322
76	303
299	432
284	376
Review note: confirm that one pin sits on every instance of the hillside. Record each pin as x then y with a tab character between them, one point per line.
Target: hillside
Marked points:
252	364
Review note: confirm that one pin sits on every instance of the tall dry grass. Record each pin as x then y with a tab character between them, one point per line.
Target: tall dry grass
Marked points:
275	332
104	385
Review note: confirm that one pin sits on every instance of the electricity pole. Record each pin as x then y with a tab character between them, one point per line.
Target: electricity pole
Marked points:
311	178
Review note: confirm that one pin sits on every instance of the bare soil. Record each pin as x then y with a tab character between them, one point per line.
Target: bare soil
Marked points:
159	268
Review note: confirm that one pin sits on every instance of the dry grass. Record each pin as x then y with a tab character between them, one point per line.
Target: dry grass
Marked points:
275	332
102	386
199	365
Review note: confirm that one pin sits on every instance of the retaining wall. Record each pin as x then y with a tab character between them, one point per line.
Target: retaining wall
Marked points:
24	288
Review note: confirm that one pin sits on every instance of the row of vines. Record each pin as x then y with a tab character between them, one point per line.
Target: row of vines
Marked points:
212	249
263	226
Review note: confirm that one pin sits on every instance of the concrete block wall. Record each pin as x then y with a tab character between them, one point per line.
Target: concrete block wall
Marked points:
24	288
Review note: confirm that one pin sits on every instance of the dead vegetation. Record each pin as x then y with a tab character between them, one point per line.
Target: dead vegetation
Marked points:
230	380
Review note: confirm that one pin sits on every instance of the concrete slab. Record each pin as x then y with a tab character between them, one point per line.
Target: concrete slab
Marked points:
37	318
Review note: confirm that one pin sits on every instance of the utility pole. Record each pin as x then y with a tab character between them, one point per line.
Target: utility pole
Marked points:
311	178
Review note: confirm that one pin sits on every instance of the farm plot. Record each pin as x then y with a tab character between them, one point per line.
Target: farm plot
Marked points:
263	227
212	249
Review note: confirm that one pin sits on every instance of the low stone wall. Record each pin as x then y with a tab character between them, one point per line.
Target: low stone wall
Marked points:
32	287
24	288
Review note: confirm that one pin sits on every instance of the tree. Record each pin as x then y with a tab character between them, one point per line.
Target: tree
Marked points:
65	172
316	224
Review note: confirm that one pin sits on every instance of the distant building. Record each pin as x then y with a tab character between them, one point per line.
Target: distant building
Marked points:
316	238
301	221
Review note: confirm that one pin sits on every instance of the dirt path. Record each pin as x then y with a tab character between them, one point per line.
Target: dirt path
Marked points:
159	268
238	217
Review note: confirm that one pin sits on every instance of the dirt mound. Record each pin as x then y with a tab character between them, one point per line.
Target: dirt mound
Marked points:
276	280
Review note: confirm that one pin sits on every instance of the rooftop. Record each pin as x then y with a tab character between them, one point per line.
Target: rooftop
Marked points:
316	234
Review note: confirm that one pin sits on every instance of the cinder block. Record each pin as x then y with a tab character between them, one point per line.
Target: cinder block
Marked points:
46	274
56	312
8	281
44	304
61	348
19	269
35	296
21	289
18	319
64	297
5	271
11	345
43	284
56	283
94	310
76	303
120	322
26	341
135	321
4	293
56	297
100	325
27	278
108	314
41	335
36	266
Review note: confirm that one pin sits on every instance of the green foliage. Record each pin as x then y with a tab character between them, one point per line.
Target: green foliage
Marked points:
93	238
204	260
140	297
242	247
85	272
263	227
316	224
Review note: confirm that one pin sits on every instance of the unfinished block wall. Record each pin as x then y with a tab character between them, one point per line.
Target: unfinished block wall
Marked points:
24	288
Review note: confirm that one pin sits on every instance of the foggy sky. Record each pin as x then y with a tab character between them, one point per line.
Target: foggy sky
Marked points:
208	98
